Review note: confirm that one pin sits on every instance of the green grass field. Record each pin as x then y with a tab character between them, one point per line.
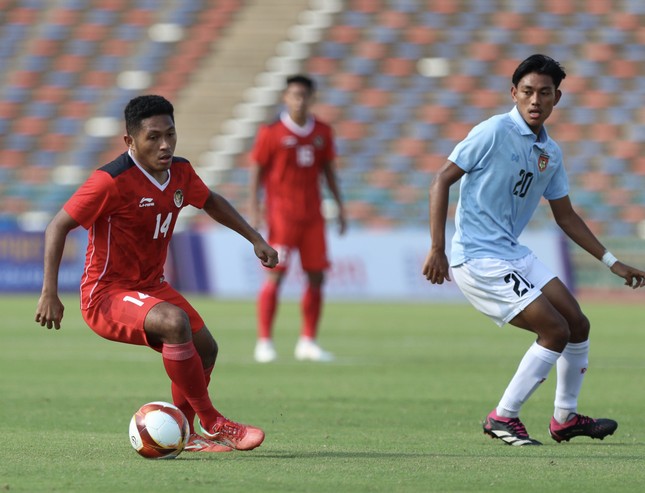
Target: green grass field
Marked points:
399	411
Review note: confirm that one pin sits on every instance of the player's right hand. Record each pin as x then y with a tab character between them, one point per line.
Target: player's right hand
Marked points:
436	268
49	311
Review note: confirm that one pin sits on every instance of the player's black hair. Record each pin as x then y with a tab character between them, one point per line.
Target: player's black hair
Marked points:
142	107
540	64
303	80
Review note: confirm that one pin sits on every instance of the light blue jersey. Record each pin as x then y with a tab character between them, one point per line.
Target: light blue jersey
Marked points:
508	170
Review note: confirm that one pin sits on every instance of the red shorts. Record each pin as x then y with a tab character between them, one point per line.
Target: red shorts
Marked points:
118	315
306	237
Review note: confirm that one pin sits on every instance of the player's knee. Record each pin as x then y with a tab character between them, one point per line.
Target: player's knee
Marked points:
316	278
275	278
562	336
176	327
556	335
580	328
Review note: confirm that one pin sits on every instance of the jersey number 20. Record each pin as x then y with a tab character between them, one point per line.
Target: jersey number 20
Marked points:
522	186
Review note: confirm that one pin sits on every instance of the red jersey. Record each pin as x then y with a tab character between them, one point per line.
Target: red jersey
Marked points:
130	218
293	158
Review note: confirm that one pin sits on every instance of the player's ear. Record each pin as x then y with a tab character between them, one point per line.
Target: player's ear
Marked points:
514	93
558	95
128	140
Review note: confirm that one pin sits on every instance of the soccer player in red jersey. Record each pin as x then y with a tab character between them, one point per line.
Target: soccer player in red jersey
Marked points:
288	158
130	207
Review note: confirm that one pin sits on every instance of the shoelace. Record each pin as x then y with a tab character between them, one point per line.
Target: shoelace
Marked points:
584	420
231	428
518	427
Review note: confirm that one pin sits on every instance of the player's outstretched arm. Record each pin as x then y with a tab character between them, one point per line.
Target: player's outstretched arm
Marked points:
224	213
576	229
49	311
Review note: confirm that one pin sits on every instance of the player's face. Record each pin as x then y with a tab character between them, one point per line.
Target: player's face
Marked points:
154	145
298	99
535	97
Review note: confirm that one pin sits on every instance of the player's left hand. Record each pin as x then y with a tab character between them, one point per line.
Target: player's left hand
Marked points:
267	255
634	278
342	223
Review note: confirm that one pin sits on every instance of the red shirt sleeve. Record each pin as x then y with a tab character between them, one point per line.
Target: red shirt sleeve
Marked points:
198	192
93	199
261	152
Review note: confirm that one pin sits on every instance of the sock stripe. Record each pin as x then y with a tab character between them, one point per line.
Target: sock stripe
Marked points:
178	352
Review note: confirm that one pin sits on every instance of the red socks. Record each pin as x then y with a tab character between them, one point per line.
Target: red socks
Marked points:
311	306
184	367
267	303
179	399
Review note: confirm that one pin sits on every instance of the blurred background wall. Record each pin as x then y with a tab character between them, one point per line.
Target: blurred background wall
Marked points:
401	81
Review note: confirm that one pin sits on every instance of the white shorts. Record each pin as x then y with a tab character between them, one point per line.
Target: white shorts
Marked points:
501	289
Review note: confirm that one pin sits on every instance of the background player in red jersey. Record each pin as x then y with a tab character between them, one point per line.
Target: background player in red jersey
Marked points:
288	158
129	208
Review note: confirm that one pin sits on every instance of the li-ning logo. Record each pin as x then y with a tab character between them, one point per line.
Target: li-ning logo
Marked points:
146	202
289	141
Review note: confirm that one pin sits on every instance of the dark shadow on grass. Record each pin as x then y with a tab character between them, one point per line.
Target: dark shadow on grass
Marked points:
506	452
317	455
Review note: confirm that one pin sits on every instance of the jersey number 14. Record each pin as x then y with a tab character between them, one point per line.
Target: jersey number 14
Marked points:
162	227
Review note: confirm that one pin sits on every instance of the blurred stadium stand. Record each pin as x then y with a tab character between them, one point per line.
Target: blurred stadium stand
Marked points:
402	81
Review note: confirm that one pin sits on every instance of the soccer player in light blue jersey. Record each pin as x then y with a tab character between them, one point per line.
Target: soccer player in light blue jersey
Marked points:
506	164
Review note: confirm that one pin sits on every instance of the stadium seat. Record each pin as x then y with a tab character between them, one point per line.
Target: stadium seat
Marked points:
386	113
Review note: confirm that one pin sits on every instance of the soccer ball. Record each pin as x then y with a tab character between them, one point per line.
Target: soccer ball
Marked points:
159	430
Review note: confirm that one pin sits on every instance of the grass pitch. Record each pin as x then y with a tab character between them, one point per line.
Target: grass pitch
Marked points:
399	411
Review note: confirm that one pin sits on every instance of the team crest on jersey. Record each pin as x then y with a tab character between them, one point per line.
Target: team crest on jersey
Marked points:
543	162
319	142
179	198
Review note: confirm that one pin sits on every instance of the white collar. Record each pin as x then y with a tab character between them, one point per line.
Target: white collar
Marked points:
303	131
540	138
160	186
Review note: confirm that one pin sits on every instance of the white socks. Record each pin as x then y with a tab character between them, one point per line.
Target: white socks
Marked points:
534	368
571	369
532	371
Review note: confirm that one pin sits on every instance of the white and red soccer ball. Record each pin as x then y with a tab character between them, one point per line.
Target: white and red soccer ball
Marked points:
159	430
